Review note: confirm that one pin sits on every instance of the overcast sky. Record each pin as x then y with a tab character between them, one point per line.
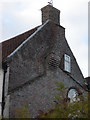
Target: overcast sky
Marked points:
18	16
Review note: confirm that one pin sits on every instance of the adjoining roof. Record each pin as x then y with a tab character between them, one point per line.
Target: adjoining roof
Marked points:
29	38
10	45
88	82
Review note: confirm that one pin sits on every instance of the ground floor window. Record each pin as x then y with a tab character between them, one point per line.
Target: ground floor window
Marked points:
72	94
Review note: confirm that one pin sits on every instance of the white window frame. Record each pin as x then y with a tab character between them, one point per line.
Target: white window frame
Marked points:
67	63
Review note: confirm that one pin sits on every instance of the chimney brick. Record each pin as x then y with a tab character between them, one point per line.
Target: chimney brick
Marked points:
50	13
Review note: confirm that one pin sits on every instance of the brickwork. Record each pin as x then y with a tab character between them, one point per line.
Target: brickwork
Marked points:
50	13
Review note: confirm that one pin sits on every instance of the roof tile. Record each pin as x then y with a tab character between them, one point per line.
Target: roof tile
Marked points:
10	45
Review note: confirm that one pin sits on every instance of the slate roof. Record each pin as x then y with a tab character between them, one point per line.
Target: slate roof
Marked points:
10	45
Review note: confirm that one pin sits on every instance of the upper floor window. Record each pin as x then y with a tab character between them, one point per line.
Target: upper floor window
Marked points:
67	63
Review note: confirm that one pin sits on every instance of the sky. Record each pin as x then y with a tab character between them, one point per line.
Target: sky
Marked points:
88	38
22	15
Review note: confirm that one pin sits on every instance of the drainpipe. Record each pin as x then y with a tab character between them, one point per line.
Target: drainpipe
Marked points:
4	66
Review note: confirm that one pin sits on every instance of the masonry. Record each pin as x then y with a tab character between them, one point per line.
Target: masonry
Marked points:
35	66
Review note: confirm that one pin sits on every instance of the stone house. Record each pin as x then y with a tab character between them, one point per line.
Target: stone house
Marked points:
32	64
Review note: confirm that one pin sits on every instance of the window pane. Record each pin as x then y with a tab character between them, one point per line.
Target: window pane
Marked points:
72	95
67	65
67	58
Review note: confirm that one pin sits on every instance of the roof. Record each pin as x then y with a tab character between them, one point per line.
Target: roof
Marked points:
28	58
88	82
87	78
29	38
10	45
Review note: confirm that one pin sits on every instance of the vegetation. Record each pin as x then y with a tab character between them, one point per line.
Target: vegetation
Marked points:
0	117
22	112
64	109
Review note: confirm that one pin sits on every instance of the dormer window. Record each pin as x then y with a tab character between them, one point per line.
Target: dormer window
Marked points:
67	63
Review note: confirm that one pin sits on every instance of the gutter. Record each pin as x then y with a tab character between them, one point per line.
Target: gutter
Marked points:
4	66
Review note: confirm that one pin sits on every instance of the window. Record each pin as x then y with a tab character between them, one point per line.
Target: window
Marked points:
72	94
67	63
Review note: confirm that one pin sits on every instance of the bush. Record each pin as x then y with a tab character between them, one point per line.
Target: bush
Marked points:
22	112
64	109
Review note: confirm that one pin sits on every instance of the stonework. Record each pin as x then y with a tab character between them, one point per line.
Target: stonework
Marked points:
35	67
1	84
50	13
32	81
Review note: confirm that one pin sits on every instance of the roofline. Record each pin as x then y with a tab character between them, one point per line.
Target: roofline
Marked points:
87	77
11	44
38	29
19	34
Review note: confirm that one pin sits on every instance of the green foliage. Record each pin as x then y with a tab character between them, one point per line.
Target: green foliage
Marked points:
64	109
0	117
22	112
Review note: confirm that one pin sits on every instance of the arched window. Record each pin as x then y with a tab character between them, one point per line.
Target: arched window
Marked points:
72	94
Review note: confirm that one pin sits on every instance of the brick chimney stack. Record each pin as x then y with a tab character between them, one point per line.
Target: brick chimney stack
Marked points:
50	13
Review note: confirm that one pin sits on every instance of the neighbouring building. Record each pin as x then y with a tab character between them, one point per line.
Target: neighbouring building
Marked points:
33	62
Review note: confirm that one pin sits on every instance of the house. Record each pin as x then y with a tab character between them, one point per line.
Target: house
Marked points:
32	64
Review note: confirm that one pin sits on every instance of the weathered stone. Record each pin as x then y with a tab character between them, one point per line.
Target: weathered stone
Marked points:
36	66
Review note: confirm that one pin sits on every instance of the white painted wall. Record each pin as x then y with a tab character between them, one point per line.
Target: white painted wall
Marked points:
1	84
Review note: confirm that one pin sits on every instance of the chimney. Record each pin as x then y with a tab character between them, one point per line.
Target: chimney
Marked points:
50	13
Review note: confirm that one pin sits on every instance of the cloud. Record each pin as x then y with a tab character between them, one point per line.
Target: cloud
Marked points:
89	38
19	17
22	15
74	17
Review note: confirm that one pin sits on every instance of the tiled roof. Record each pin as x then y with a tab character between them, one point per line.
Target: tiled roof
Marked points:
10	45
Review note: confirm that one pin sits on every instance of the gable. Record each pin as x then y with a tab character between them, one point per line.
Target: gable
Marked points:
28	62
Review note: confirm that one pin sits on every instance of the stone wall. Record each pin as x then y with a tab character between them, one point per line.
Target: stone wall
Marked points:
1	86
32	81
6	95
40	94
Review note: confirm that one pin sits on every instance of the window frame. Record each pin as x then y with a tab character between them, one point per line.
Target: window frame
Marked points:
67	63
